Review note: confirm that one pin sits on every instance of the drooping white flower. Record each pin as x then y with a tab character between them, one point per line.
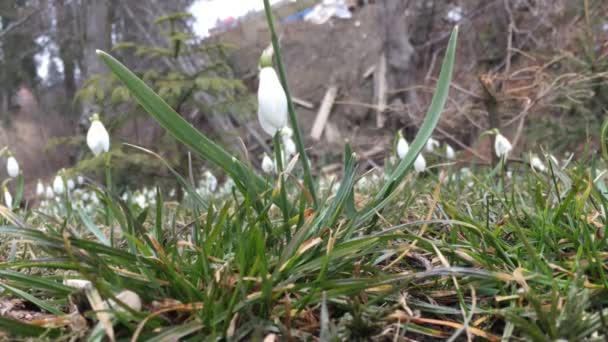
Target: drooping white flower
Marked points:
502	146
402	147
431	144
12	167
39	189
49	194
537	164
98	138
272	102
140	200
450	154
290	148
58	185
80	180
420	164
8	199
267	164
71	184
211	181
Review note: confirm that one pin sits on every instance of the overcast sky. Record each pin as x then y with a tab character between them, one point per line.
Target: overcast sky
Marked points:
207	12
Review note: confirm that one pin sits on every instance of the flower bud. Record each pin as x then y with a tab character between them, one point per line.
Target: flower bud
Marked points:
502	146
8	199
272	102
537	164
420	164
402	146
49	194
39	189
58	186
290	148
267	164
431	144
12	167
450	154
98	138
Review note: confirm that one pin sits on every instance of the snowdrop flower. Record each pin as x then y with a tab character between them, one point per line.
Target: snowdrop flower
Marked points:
58	185
49	194
12	167
402	146
286	133
140	200
98	138
455	15
211	181
272	101
8	199
80	180
450	154
71	184
537	164
39	189
290	148
431	144
502	146
267	164
420	164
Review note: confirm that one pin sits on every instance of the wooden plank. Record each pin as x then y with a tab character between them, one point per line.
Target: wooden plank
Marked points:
324	111
303	103
380	91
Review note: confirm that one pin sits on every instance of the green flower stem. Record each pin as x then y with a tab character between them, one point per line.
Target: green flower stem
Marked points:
278	152
108	175
292	112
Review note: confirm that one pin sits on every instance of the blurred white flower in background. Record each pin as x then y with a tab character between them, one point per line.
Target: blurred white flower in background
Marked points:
58	185
502	146
450	154
8	199
267	164
420	164
49	194
39	189
402	146
537	164
431	144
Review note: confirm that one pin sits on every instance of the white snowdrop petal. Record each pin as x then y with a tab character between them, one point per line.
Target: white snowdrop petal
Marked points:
98	138
272	102
502	146
267	164
12	167
420	164
8	199
58	186
450	154
402	148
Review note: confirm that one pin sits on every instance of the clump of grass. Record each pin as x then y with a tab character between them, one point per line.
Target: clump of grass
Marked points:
445	255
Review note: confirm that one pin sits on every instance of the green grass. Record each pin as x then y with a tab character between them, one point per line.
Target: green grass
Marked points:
491	257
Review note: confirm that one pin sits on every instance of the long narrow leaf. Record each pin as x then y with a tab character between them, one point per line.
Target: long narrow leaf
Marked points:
245	178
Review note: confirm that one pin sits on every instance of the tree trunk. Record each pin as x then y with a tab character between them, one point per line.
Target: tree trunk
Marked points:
400	54
97	36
